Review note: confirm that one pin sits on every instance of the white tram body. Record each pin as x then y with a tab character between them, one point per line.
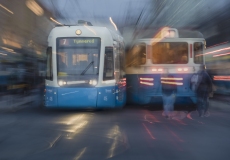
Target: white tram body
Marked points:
85	68
149	61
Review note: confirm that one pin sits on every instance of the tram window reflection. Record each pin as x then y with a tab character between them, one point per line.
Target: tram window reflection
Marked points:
137	55
170	53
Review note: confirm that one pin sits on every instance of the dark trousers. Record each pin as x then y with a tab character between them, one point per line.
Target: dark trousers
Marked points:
202	103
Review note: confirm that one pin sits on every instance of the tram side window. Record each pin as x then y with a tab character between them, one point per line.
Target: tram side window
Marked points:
198	53
108	73
49	66
170	53
136	56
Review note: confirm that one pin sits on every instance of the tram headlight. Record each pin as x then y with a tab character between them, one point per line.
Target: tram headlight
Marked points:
93	82
61	83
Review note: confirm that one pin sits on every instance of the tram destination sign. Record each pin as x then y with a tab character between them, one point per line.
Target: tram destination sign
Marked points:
78	42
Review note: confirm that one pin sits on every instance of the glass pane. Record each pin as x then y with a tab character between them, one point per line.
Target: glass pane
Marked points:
108	73
170	53
49	67
137	55
198	52
78	60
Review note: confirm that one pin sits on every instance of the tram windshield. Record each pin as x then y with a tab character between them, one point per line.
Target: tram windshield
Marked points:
78	60
170	53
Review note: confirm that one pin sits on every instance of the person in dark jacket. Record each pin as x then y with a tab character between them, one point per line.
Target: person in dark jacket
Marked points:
204	89
169	89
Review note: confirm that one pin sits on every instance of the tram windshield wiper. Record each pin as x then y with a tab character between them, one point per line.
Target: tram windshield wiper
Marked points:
86	69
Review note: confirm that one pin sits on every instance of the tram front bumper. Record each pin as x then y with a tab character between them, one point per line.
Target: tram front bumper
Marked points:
71	97
77	97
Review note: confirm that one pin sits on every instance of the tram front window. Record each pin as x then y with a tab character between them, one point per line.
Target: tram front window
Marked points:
170	53
78	64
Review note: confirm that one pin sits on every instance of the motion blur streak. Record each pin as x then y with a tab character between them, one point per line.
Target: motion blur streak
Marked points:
7	49
221	78
3	54
11	43
34	7
150	134
113	23
74	119
219	55
214	51
174	135
148	116
91	30
179	121
55	21
116	135
56	139
6	9
75	128
80	154
217	44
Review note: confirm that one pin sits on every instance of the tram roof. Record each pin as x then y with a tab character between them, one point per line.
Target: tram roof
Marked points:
181	34
63	30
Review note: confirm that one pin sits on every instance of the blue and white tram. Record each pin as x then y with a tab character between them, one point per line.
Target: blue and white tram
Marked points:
85	68
150	61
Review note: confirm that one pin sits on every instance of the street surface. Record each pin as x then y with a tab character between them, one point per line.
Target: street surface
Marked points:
131	133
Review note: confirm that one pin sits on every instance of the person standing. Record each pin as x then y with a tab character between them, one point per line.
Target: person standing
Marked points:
169	89
204	89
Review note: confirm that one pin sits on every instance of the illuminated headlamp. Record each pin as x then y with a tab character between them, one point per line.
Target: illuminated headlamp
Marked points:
61	83
93	82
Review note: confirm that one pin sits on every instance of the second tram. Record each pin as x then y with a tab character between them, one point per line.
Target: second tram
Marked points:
217	61
170	52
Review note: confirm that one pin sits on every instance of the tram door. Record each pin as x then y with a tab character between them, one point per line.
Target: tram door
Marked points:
106	95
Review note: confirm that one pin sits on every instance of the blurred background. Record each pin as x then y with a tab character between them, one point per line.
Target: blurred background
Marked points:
28	132
25	25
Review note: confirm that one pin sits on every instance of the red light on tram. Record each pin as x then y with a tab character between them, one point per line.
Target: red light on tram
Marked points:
221	78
